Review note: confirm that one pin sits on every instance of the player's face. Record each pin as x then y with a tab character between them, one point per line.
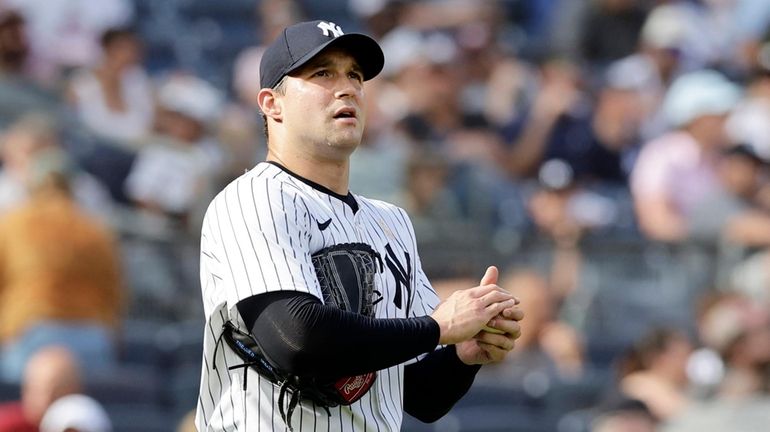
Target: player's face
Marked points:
323	104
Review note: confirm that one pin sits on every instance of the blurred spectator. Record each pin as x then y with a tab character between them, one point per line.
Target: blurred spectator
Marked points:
730	212
426	194
426	98
750	30
560	125
624	415
19	93
664	41
114	100
446	14
51	373
509	89
70	294
731	31
678	37
655	372
563	211
623	19
242	124
675	171
665	38
378	166
78	413
748	123
20	146
175	170
64	34
719	416
14	46
271	17
738	329
734	217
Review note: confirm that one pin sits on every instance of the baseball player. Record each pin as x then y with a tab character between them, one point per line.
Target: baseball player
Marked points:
318	314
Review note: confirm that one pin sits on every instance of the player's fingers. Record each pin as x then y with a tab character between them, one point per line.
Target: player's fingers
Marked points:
482	290
490	277
496	308
515	313
496	296
494	352
510	327
502	341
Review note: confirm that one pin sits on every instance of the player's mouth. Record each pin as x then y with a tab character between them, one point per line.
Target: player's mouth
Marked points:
346	115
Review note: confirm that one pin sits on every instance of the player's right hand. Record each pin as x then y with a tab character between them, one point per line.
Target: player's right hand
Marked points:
464	313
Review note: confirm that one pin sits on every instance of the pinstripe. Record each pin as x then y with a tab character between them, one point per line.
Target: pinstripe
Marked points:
235	237
288	235
219	372
272	412
226	370
251	241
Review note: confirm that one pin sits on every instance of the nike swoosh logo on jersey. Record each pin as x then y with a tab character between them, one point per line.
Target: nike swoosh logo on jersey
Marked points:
323	225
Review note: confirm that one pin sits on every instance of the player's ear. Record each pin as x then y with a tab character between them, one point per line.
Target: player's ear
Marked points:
270	103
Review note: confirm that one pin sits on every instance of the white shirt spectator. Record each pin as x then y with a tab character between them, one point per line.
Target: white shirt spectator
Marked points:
122	127
171	175
67	32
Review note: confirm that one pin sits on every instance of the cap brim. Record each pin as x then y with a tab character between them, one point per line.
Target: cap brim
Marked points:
363	48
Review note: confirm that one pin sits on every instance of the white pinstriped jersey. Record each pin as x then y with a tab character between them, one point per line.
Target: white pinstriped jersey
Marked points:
258	235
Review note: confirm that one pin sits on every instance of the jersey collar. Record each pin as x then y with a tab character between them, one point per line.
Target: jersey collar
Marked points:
347	199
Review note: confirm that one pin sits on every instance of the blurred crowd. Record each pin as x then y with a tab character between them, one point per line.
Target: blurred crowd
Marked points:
610	156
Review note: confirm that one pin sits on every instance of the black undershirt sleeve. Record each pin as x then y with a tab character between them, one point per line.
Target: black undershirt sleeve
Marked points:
302	336
434	384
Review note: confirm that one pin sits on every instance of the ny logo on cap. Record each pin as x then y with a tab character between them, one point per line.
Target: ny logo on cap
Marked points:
327	27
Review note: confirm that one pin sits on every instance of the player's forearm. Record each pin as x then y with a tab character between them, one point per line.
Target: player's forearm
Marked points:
433	385
305	337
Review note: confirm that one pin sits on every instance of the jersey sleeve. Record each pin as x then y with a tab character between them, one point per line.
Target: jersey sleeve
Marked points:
255	239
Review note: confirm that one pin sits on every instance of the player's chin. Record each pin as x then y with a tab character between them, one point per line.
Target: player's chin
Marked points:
346	139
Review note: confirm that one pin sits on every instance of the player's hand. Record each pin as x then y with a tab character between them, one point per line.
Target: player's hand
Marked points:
507	322
461	316
487	347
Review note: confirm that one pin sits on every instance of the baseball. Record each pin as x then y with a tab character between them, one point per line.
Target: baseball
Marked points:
492	330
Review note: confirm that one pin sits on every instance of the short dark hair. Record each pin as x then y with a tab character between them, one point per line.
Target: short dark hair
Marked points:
112	34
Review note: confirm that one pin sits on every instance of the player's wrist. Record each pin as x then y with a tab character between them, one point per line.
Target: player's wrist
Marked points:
435	327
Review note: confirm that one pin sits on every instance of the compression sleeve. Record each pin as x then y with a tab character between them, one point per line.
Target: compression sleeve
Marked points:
434	384
302	336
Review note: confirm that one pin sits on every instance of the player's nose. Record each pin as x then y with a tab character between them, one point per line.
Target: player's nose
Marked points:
347	87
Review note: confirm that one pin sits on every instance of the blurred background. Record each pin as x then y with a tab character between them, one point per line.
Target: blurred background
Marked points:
610	156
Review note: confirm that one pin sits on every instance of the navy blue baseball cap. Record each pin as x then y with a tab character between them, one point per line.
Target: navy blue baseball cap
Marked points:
299	43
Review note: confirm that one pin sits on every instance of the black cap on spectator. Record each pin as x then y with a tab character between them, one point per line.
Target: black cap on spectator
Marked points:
300	42
745	150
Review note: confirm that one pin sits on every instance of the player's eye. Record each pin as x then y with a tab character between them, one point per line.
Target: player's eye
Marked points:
356	76
321	73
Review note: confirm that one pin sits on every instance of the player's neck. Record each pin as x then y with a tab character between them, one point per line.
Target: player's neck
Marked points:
331	174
